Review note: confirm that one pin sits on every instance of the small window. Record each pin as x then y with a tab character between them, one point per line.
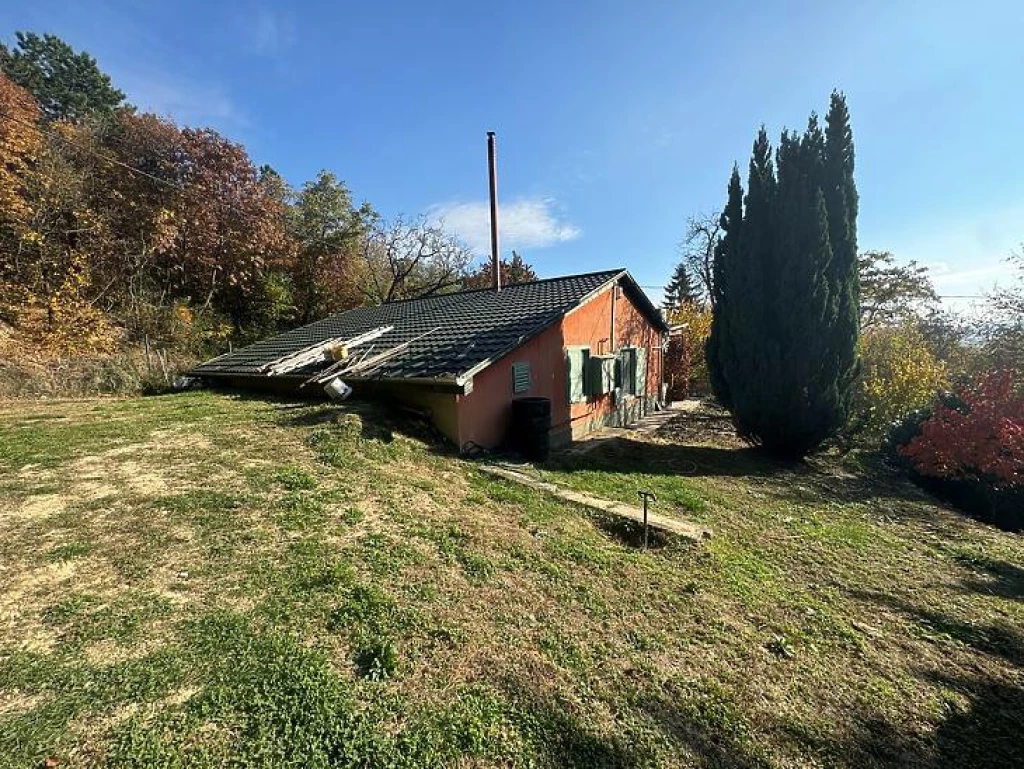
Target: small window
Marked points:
601	374
520	377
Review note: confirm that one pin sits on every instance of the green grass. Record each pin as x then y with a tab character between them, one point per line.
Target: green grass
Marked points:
207	580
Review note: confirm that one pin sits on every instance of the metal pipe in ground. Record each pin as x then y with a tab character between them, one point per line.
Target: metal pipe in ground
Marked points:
646	495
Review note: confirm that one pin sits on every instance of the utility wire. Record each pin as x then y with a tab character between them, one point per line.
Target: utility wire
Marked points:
91	151
114	161
939	296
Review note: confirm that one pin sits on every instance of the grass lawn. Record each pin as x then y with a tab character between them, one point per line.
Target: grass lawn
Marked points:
200	580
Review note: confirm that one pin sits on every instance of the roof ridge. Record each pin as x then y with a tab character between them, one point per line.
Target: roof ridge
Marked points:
575	276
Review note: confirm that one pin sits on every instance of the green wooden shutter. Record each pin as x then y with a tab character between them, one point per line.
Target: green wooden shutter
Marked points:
521	377
576	373
640	371
627	370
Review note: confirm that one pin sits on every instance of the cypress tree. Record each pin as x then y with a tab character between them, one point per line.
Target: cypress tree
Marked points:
842	201
726	252
781	355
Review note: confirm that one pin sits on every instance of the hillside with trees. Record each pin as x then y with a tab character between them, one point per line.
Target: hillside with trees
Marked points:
131	246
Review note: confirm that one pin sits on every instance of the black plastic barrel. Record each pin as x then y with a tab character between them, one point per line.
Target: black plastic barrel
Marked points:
531	427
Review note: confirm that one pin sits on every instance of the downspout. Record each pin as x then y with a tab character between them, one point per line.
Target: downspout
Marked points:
611	339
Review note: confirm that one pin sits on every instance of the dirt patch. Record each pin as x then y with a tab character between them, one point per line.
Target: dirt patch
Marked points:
31	590
16	703
40	506
702	423
108	652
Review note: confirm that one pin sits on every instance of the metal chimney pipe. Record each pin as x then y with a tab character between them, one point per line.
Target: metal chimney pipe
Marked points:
492	168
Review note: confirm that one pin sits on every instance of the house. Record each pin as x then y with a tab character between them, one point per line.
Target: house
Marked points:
592	344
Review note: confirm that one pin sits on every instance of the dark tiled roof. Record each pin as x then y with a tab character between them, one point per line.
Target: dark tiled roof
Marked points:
467	329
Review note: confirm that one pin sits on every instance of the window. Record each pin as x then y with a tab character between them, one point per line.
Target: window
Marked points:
601	376
576	365
520	377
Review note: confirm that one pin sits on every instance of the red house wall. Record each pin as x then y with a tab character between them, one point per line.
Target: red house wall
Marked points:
483	415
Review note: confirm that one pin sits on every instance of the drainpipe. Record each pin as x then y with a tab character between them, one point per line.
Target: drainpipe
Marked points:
615	291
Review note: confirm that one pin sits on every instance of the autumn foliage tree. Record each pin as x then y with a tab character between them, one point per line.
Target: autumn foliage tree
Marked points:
120	229
20	145
686	372
899	374
974	449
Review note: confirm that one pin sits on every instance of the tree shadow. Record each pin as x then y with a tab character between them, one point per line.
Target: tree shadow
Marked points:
998	578
994	639
628	456
705	728
987	733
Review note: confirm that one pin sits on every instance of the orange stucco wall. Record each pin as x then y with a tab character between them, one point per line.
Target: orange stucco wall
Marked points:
590	325
483	415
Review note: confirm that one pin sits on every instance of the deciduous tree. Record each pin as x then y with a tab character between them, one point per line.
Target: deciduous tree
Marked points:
697	250
892	293
230	231
408	259
328	229
20	145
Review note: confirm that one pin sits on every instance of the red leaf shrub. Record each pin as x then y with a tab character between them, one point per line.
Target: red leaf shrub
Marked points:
982	442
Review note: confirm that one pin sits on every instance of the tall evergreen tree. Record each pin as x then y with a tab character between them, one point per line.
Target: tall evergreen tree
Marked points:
726	253
680	288
781	354
842	201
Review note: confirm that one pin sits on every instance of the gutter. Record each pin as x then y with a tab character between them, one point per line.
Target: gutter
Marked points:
461	385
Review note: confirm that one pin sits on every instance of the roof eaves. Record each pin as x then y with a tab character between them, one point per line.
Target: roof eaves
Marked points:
646	305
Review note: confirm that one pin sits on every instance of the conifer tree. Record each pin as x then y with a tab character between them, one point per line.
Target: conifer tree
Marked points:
782	352
726	252
679	289
842	202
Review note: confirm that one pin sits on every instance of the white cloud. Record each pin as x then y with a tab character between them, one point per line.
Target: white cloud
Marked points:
523	223
965	255
270	32
188	103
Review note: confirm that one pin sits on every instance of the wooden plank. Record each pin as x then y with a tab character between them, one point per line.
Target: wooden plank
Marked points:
621	509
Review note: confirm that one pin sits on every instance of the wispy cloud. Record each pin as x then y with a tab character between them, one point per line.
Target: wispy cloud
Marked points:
524	223
189	103
966	254
270	31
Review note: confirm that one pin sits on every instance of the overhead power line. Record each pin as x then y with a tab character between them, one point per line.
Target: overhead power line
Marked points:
939	296
95	153
126	166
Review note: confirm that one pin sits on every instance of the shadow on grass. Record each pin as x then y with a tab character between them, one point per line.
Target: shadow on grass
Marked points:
999	578
706	729
995	639
627	456
987	733
631	534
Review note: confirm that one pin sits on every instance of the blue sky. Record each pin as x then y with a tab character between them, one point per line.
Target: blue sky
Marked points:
615	120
